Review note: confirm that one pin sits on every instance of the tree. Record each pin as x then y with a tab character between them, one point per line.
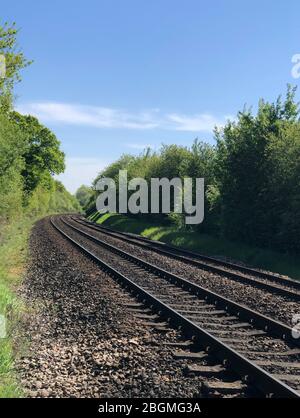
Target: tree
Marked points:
283	193
42	155
112	170
83	195
14	60
169	162
12	145
247	170
29	152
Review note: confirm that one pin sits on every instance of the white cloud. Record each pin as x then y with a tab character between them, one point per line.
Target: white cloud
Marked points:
80	171
99	117
109	118
201	122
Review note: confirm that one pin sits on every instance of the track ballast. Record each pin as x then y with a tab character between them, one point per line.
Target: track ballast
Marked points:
258	349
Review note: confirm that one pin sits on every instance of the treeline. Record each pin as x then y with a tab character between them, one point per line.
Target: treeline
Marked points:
252	187
29	152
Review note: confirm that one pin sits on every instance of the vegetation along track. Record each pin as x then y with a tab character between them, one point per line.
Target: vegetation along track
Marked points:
259	349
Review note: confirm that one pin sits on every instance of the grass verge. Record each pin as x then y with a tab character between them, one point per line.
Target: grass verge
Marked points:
13	255
205	244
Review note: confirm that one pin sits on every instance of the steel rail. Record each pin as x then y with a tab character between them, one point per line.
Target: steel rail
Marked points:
230	358
197	263
254	318
169	247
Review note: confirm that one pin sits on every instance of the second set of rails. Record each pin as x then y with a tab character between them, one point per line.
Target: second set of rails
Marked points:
258	348
264	280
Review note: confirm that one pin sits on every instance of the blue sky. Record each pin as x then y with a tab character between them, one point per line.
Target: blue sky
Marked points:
113	76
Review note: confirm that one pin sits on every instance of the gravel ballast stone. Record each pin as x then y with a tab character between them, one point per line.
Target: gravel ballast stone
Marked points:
83	340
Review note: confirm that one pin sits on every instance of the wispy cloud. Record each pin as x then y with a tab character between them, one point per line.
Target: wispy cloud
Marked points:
201	122
110	118
100	117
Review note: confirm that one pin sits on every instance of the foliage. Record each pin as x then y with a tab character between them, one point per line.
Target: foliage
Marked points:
12	146
15	61
205	244
252	188
42	155
83	195
29	152
56	199
170	161
29	157
257	171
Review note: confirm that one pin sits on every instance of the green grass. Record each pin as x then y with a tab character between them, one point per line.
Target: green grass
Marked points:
13	255
205	244
123	223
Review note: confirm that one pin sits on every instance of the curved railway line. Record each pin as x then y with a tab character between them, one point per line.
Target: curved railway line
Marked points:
263	280
279	305
243	342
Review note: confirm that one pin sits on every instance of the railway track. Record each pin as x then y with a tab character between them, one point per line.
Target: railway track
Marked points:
261	351
262	280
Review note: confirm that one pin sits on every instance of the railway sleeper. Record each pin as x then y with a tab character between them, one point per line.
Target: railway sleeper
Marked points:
224	388
288	377
224	325
234	334
267	363
203	370
146	316
287	353
186	355
177	344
